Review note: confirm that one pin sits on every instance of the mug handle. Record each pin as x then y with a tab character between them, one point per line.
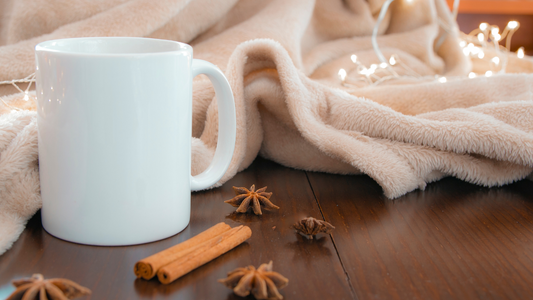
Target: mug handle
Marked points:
227	126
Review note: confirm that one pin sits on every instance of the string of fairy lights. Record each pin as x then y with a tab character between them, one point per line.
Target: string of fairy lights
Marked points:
482	43
30	79
487	38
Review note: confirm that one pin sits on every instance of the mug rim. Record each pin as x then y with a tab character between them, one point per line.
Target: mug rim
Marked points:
53	47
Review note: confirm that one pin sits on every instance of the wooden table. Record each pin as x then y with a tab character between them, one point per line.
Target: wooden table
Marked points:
453	240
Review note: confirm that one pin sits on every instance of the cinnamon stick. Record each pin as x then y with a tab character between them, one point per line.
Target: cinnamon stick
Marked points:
147	267
204	254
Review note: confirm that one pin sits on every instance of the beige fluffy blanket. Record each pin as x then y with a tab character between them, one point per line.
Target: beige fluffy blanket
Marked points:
282	58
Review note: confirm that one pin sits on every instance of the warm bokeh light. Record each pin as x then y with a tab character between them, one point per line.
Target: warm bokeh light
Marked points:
513	24
342	74
520	52
365	72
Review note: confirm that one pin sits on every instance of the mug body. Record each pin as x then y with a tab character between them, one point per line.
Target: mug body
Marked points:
114	123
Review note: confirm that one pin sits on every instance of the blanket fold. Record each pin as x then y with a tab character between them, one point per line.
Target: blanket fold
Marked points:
282	59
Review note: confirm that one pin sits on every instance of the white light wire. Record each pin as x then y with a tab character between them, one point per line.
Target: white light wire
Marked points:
472	37
447	30
381	16
28	79
455	10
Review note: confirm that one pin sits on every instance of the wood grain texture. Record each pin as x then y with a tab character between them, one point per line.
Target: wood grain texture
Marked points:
452	241
313	268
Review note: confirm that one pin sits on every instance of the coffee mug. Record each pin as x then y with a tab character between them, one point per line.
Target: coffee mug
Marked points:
114	125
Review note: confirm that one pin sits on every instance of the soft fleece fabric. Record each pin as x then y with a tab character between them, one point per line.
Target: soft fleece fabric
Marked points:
281	58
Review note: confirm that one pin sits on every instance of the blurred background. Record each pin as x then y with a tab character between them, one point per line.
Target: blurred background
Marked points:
499	12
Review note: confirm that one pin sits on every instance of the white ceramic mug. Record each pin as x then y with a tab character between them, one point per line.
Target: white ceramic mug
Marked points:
114	123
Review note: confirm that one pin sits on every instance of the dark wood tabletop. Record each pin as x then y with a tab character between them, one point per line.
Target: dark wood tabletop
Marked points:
453	240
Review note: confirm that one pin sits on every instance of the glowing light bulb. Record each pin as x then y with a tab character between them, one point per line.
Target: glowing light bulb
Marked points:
364	71
26	97
442	79
462	44
483	26
353	58
373	68
495	30
481	54
470	49
513	24
383	65
495	60
392	61
520	52
471	75
488	73
481	37
497	37
342	74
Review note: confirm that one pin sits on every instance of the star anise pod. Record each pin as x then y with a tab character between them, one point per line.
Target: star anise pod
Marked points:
263	283
310	227
54	289
246	199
